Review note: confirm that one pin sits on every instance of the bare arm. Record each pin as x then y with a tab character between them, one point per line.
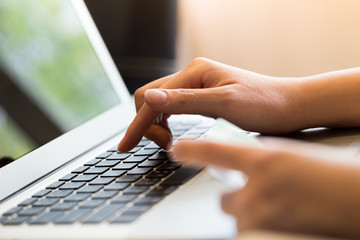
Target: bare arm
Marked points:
332	99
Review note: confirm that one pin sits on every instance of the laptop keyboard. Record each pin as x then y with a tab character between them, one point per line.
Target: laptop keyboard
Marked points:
113	187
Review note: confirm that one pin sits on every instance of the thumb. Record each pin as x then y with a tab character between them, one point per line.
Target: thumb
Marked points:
186	101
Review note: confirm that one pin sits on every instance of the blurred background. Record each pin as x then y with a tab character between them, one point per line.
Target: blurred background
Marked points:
278	37
149	39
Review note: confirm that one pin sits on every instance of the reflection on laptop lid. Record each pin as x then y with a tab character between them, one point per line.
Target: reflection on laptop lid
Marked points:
52	67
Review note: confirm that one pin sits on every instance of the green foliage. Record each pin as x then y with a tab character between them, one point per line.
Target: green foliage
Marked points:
45	50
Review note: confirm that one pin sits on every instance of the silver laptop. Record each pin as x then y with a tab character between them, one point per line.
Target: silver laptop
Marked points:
68	181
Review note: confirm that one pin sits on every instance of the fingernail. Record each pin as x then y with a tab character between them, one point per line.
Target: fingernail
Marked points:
156	96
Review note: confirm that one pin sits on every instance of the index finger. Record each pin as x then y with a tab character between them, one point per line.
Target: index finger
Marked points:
143	122
221	155
145	117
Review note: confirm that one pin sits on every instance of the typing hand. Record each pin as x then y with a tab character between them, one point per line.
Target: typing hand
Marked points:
252	101
292	186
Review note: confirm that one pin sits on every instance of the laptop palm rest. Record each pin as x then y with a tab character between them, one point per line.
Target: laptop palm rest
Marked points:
196	207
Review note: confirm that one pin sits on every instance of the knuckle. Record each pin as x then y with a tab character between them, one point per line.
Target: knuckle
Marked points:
185	97
229	96
268	162
139	93
197	63
198	60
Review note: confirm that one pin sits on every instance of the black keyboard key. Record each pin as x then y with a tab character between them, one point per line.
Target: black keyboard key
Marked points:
104	194
135	149
129	178
107	163
163	151
12	211
101	181
119	156
152	145
59	193
151	164
135	159
103	213
96	170
143	143
159	156
124	166
136	210
68	177
125	219
28	201
92	162
47	217
124	198
181	176
72	185
89	189
135	190
92	203
114	173
42	193
17	220
162	190
148	182
31	211
73	216
145	152
158	174
84	178
117	186
169	166
55	185
45	202
80	169
140	171
3	219
63	206
104	155
77	197
148	200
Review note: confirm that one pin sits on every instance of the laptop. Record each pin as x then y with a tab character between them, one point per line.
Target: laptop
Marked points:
68	180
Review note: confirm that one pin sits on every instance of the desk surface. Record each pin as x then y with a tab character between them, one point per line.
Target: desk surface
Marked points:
268	235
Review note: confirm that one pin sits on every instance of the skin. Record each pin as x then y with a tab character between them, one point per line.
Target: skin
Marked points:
286	190
304	188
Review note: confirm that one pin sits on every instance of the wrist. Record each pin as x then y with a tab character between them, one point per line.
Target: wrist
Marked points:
304	103
298	105
330	100
313	103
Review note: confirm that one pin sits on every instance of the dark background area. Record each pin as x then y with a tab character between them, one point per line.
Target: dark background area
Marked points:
140	35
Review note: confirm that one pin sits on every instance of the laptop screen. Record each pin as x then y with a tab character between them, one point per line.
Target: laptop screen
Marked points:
50	77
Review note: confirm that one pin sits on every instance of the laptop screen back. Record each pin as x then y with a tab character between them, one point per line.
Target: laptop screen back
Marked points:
50	77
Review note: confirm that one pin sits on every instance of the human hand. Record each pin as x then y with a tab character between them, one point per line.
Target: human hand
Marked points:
291	186
249	100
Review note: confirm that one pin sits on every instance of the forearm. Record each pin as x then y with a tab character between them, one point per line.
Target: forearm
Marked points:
331	99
